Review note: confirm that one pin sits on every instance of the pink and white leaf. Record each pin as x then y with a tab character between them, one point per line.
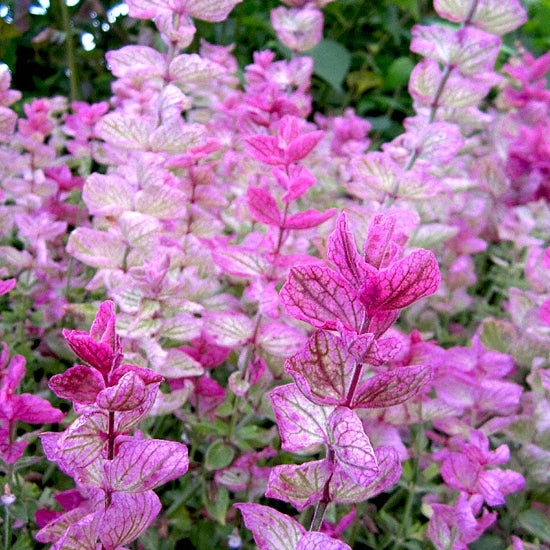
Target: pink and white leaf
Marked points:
127	517
265	149
133	61
315	540
79	383
179	364
123	131
272	530
82	443
298	29
128	394
210	10
160	201
140	466
301	485
301	422
403	283
175	137
321	297
470	50
107	195
392	387
228	329
377	171
300	147
8	119
240	261
193	69
263	206
342	252
352	448
139	230
309	218
346	490
296	179
96	248
494	16
279	339
323	370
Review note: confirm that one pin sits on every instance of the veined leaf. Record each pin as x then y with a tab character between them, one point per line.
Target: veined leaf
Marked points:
136	60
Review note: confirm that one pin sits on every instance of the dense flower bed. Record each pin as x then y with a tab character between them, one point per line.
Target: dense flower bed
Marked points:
295	339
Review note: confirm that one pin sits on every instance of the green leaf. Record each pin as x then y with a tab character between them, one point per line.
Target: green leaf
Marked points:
536	523
497	335
219	455
331	62
218	508
399	72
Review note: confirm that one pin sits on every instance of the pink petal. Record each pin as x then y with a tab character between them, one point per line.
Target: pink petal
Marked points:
7	286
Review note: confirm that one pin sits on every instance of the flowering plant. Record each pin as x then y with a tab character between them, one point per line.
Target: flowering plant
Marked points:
287	335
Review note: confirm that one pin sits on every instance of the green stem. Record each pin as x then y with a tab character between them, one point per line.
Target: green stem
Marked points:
71	59
320	510
7	528
434	106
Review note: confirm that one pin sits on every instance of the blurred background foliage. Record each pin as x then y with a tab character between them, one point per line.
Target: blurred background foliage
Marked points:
364	61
